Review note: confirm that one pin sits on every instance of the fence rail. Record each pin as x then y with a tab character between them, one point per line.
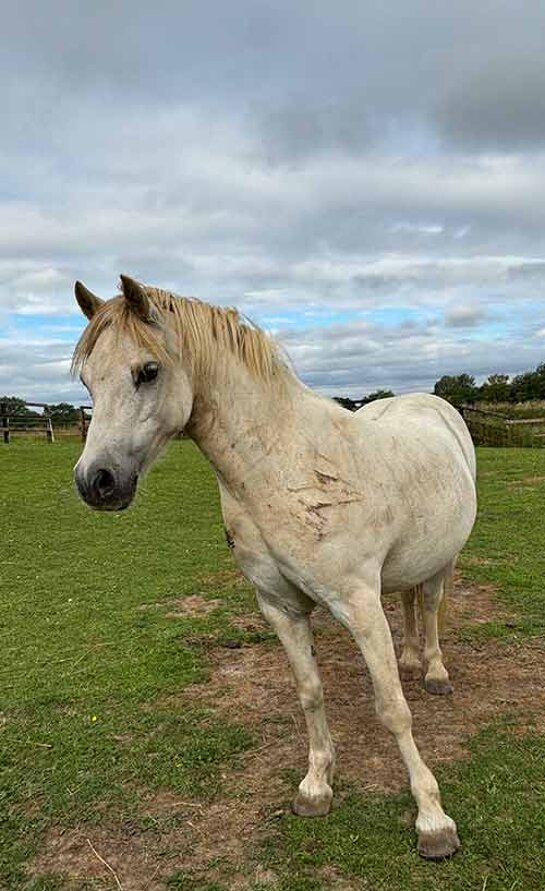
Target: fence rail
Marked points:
492	428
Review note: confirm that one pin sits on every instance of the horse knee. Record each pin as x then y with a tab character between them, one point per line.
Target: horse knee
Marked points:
311	695
395	715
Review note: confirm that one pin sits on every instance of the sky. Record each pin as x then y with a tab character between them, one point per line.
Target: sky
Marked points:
365	180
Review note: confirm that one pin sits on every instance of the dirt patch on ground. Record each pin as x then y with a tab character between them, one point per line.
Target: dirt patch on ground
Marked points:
192	605
196	604
251	624
215	843
526	481
252	685
225	578
120	859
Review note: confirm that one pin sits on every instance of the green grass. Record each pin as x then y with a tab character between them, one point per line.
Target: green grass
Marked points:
497	797
507	547
90	666
84	663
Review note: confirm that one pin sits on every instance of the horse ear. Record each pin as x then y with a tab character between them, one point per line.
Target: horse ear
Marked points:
88	302
138	300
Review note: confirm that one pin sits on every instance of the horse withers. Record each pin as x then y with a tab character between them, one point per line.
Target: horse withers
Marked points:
321	506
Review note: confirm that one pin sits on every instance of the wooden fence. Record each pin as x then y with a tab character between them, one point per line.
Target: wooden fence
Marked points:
487	427
12	422
491	428
84	420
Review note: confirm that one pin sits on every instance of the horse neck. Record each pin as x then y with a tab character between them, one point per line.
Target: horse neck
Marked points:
239	420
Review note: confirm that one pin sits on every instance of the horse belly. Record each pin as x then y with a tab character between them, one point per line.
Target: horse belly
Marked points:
428	547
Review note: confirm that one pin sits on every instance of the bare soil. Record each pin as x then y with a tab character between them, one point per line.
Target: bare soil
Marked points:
193	605
252	685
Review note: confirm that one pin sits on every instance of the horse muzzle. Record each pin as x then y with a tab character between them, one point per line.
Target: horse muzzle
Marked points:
104	488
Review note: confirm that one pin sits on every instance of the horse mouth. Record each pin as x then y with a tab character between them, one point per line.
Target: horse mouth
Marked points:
116	505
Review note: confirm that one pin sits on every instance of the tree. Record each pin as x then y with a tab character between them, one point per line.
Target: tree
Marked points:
377	394
525	387
496	388
346	402
17	406
63	412
456	389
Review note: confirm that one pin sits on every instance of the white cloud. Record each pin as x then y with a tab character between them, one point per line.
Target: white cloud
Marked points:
276	161
460	315
419	228
357	358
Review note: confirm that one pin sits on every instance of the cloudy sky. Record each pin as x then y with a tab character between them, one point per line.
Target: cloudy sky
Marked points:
364	179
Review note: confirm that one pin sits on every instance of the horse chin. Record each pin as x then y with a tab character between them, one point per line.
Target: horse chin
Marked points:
113	506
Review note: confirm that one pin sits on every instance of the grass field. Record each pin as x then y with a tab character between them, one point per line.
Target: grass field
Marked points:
120	744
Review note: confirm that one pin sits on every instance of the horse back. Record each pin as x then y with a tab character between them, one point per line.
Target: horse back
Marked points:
422	411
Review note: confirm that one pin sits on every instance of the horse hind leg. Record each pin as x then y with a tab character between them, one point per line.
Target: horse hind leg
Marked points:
409	661
361	612
436	679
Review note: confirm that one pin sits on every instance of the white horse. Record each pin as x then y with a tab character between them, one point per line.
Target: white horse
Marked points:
321	506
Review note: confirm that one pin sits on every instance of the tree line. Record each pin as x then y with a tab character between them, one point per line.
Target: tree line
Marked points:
461	389
61	413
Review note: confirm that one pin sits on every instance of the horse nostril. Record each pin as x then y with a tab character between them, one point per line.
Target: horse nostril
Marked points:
104	483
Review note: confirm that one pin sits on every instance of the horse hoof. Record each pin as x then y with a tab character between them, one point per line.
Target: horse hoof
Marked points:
438	688
318	806
438	845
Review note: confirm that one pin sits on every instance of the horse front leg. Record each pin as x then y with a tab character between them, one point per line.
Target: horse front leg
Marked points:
315	793
361	611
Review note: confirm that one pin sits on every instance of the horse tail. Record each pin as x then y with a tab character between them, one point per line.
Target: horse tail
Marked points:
418	594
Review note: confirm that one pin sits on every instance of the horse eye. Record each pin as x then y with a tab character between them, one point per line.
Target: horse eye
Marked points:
146	374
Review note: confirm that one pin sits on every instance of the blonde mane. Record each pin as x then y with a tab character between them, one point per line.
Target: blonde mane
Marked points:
202	334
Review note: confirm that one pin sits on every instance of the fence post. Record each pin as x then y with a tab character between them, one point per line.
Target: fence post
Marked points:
5	422
49	431
83	423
